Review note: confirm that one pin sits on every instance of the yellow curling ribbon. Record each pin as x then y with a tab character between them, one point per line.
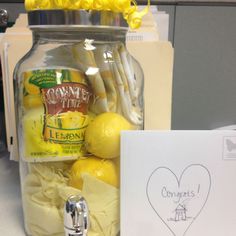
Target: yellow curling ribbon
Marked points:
120	6
135	19
87	5
129	8
62	4
45	4
77	4
100	4
29	5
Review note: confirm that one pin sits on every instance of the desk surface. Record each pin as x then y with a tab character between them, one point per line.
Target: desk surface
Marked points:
11	216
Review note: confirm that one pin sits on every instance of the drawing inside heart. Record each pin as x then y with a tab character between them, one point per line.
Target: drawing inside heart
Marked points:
179	201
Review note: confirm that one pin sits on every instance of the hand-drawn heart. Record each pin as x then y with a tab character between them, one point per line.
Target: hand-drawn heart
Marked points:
179	201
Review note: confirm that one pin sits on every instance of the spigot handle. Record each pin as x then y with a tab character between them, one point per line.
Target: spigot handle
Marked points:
76	216
3	17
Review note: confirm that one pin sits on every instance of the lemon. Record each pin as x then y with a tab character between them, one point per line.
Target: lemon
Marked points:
73	120
70	120
102	136
104	170
30	88
32	101
33	124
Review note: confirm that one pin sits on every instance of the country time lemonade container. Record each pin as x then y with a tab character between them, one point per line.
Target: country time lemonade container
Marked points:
77	88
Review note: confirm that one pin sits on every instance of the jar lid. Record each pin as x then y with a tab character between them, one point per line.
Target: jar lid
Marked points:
47	18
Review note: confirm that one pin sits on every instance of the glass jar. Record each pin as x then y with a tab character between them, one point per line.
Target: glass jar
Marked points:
77	88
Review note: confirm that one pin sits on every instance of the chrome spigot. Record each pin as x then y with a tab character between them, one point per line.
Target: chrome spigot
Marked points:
76	216
3	17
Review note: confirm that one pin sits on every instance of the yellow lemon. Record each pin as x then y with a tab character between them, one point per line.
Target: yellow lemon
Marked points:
73	120
33	123
102	136
70	120
104	170
30	88
32	101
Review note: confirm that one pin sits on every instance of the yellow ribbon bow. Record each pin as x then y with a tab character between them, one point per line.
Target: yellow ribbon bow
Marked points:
129	8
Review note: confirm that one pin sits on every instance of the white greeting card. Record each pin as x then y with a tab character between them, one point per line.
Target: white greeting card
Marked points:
178	183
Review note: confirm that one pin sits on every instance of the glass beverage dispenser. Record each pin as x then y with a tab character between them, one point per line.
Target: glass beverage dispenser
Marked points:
77	88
